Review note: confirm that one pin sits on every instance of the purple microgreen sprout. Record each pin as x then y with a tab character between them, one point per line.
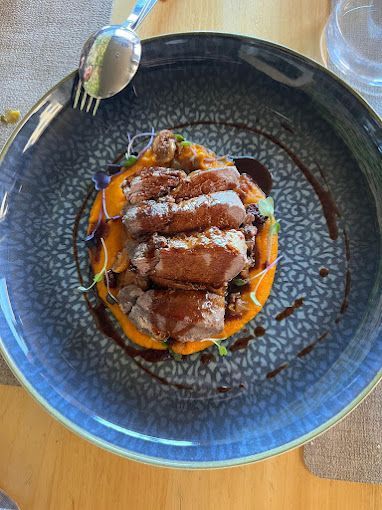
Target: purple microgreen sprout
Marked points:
148	145
107	216
101	180
98	276
132	140
262	276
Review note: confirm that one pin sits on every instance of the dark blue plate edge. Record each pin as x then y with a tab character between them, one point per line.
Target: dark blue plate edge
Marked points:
162	461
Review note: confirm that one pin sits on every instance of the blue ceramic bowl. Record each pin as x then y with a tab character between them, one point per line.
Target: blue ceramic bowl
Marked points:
323	147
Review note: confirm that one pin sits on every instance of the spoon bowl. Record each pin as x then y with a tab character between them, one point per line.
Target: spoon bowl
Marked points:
109	60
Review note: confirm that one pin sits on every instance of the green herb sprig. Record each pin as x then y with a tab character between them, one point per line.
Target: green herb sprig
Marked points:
98	276
262	276
221	348
266	208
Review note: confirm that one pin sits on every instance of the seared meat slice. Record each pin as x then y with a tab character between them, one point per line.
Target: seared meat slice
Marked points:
183	315
152	182
156	182
127	297
223	209
202	182
212	257
164	147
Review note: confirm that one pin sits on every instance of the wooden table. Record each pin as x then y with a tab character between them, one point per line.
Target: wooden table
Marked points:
44	466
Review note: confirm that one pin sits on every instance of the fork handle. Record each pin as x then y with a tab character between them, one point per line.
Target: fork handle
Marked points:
138	14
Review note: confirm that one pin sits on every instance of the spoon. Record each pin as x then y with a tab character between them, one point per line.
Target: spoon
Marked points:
110	58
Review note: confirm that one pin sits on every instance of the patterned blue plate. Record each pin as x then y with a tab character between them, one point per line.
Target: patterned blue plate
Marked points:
315	350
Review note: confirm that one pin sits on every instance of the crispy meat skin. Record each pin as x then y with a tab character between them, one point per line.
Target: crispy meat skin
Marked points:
223	209
183	315
212	257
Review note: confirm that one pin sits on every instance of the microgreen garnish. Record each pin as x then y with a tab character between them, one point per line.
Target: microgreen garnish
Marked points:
135	137
101	180
275	228
104	208
239	282
129	160
98	276
179	138
262	275
221	348
266	207
185	143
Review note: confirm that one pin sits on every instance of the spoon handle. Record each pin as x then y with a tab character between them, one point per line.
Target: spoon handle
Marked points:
138	14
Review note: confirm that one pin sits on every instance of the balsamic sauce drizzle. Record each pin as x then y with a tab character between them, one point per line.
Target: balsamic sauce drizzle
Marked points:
289	310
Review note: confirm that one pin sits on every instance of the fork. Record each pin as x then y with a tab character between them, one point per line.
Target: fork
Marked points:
109	59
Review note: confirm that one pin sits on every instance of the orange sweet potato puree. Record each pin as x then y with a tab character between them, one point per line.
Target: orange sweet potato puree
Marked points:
115	238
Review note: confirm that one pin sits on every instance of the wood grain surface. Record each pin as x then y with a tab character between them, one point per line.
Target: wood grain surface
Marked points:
44	466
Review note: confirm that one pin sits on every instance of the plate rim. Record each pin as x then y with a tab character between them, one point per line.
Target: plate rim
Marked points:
158	461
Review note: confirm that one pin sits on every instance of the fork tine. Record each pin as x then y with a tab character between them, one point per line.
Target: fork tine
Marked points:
77	94
96	106
90	100
83	101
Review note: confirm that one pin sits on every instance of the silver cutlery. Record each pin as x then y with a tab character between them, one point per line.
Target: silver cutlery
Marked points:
109	59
